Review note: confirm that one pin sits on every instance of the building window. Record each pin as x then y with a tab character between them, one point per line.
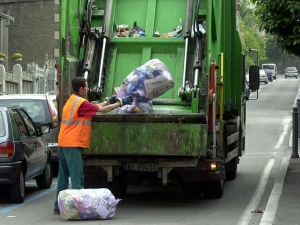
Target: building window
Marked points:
56	18
56	52
56	35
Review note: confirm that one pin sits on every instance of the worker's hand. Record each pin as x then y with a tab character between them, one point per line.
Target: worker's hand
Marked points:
126	100
111	100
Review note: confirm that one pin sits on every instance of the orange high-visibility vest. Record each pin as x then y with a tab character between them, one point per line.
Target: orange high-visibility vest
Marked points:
74	131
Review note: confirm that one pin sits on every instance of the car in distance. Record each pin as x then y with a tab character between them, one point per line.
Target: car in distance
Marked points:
291	72
263	76
269	74
24	153
42	108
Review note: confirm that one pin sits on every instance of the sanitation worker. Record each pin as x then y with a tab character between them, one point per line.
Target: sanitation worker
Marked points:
75	133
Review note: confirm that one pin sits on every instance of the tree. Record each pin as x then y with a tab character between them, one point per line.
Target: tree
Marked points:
252	39
280	18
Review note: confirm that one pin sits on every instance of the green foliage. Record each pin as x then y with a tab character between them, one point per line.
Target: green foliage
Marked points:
253	39
280	18
2	55
16	56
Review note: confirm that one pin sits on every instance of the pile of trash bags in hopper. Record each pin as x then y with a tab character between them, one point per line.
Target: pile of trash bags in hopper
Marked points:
87	204
144	84
124	30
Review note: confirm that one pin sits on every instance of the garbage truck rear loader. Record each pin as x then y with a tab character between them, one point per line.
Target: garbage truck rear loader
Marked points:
195	133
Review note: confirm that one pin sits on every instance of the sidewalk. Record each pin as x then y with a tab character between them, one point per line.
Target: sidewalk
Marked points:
283	207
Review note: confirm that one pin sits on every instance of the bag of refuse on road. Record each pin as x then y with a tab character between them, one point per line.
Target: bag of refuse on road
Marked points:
144	84
87	204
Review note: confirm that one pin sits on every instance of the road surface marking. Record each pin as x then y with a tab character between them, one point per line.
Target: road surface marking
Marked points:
27	200
286	124
247	214
271	208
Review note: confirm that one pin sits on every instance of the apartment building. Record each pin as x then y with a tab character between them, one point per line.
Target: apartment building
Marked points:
29	27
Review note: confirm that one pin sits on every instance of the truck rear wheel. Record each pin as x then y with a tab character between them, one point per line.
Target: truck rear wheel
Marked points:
213	189
192	189
231	169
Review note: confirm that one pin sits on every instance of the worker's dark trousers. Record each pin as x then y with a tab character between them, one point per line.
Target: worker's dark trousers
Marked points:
70	165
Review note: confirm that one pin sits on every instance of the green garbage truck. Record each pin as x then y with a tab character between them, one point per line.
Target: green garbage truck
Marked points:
194	134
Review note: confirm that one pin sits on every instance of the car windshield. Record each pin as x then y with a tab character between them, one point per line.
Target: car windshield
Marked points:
291	69
35	108
2	125
270	67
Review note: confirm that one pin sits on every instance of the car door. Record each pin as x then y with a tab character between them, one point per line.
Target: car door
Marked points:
28	143
40	147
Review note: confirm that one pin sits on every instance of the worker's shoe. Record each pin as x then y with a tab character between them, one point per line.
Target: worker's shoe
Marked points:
56	211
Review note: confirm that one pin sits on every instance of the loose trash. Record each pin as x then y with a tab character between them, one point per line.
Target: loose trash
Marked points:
144	84
87	204
124	30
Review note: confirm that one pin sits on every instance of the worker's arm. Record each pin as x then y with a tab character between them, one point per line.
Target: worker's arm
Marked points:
113	103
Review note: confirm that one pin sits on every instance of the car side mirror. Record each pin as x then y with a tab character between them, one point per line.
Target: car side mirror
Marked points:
254	78
42	128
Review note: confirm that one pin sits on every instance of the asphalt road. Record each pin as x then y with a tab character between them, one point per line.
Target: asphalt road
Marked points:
245	198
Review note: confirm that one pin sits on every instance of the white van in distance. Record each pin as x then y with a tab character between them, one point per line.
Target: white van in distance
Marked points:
272	67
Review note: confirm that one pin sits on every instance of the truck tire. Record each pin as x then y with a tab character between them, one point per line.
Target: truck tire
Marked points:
192	190
213	189
17	190
231	169
44	180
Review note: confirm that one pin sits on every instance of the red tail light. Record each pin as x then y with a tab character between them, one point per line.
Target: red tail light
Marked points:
7	149
53	114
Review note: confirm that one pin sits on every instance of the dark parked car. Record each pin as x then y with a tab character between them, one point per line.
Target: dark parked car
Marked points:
291	72
269	74
42	108
24	153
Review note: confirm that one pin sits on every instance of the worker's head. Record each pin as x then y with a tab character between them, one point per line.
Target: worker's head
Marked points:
79	84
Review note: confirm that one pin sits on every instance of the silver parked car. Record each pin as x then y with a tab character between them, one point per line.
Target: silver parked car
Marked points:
263	77
291	72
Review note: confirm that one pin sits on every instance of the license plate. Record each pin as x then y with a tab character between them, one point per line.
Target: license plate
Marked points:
141	167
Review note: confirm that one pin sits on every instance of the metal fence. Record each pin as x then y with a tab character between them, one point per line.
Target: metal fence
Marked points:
36	80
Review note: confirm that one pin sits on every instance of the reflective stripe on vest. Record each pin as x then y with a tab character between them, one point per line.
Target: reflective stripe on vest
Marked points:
69	121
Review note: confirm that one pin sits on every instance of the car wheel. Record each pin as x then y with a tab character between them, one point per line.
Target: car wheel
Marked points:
17	190
44	180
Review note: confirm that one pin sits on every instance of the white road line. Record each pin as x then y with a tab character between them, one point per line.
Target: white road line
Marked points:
252	206
286	124
271	208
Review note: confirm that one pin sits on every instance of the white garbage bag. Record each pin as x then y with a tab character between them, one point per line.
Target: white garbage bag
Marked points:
87	204
144	84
